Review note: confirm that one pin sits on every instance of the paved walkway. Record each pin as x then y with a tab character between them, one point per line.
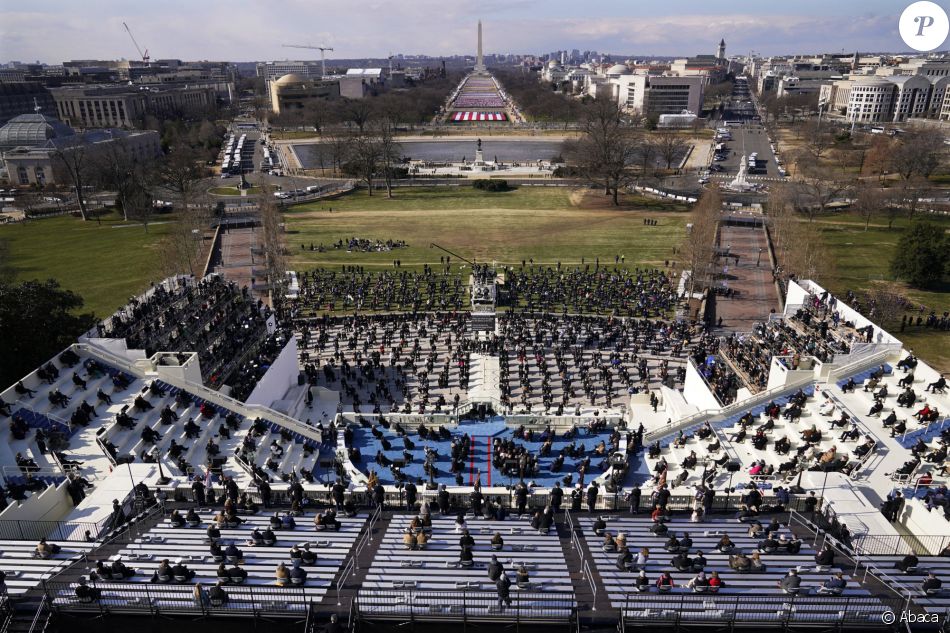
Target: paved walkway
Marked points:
751	277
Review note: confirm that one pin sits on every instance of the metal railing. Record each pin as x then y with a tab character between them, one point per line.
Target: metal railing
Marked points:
14	530
413	605
778	611
589	575
725	412
898	545
290	601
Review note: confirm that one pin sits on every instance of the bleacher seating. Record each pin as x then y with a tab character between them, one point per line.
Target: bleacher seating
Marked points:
165	541
436	567
705	537
24	571
559	364
939	565
413	363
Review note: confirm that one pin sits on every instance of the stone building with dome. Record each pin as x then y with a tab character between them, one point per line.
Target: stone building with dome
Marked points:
30	143
292	91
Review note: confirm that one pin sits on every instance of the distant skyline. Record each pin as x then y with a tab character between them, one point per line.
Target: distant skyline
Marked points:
53	31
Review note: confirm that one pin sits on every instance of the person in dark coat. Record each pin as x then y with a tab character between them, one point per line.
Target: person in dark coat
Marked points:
592	491
503	585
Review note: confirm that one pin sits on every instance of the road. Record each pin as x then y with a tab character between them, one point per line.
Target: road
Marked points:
748	138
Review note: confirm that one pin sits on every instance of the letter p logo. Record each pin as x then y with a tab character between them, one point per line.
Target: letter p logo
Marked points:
924	26
923	21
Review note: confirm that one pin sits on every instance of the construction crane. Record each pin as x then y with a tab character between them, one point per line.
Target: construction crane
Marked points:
144	55
323	56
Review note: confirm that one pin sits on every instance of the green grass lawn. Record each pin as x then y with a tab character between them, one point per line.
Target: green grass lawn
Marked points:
541	223
863	259
105	264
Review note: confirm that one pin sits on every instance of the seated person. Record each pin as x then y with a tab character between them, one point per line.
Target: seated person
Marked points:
85	593
665	582
599	526
756	562
288	523
641	583
192	518
699	561
740	562
275	521
699	583
282	574
931	585
216	552
825	557
268	538
715	582
257	538
237	575
176	519
768	545
217	595
181	573
308	557
791	583
834	586
725	544
466	559
163	573
682	562
408	539
232	554
497	542
624	559
298	576
120	571
908	563
222	573
522	575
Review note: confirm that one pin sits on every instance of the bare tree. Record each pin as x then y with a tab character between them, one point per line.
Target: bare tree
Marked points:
359	112
607	149
867	202
71	157
699	246
917	153
817	188
668	145
366	158
272	243
389	153
891	206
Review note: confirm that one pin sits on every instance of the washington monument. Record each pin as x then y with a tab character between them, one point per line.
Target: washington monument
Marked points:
479	60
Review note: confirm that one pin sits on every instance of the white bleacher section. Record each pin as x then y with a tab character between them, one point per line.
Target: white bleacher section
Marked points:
24	572
436	567
705	537
165	541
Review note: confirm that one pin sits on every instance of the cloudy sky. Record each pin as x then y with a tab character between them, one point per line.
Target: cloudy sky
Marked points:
244	30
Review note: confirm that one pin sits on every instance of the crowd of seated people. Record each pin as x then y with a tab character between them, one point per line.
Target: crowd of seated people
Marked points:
722	380
325	290
564	362
592	288
360	245
212	316
406	363
245	377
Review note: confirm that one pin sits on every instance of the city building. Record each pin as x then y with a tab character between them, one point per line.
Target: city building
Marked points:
271	71
29	144
23	97
125	106
292	92
653	95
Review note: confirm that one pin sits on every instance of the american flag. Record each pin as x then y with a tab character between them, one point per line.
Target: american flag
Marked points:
480	116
